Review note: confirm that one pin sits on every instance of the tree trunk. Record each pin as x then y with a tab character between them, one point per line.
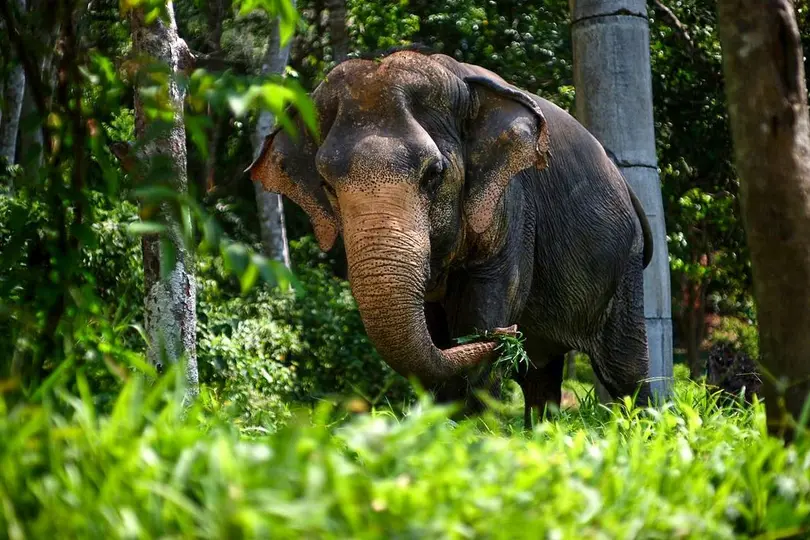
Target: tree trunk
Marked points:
215	14
767	100
31	141
271	205
170	301
13	96
337	30
611	41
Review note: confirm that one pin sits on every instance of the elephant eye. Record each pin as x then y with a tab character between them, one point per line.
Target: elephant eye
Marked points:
432	177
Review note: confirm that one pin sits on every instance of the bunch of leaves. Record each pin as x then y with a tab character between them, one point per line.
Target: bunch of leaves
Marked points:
512	358
693	469
527	44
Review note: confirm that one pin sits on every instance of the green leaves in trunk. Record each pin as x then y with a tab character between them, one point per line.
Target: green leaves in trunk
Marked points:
512	356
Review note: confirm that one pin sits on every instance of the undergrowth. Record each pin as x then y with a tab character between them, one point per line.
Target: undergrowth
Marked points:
695	468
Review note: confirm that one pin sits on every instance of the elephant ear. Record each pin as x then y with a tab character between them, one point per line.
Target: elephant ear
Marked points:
288	167
505	134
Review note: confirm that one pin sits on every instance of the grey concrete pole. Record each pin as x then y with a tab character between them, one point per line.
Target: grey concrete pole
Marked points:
611	41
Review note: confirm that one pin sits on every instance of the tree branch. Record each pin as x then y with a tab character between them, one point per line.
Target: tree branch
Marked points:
675	23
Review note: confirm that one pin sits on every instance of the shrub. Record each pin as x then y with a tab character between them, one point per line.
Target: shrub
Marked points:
258	351
108	282
741	335
690	470
269	346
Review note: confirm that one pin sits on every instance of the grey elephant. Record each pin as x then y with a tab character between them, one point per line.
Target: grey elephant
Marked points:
466	203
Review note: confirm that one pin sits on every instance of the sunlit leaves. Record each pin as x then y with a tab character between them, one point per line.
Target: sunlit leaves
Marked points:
695	468
199	232
152	9
283	9
241	95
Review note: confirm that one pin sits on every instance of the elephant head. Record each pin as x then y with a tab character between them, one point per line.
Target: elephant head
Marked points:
415	157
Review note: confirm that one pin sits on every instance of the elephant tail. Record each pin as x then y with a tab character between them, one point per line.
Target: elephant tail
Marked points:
646	232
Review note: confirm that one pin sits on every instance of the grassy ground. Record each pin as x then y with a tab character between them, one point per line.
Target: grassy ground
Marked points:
692	469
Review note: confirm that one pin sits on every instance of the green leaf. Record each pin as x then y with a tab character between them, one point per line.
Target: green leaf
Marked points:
155	193
196	126
248	278
235	257
274	272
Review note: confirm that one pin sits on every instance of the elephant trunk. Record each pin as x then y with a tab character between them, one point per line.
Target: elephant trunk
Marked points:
388	248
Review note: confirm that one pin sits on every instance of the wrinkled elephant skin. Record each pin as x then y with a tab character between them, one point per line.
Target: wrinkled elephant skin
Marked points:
467	204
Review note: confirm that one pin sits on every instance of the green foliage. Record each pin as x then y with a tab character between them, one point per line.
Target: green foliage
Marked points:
71	278
680	372
382	25
742	335
692	470
282	9
512	357
705	235
529	44
265	348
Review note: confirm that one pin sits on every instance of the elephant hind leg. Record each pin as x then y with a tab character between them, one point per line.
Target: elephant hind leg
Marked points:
621	358
542	387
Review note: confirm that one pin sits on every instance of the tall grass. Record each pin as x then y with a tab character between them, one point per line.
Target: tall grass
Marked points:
695	468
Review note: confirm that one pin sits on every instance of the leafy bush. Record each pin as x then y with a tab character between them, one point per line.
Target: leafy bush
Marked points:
110	282
741	335
258	350
690	470
269	347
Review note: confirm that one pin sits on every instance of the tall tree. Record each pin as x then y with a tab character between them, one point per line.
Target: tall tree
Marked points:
270	205
13	97
339	38
169	284
767	100
611	43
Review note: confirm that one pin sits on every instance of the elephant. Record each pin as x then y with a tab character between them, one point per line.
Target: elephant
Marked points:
466	203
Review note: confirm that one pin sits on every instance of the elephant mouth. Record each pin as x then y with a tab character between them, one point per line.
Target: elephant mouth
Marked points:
436	284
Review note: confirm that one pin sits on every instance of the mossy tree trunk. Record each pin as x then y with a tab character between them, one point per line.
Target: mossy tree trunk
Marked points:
170	288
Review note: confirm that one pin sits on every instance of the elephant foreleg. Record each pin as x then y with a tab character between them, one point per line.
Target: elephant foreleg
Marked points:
542	388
